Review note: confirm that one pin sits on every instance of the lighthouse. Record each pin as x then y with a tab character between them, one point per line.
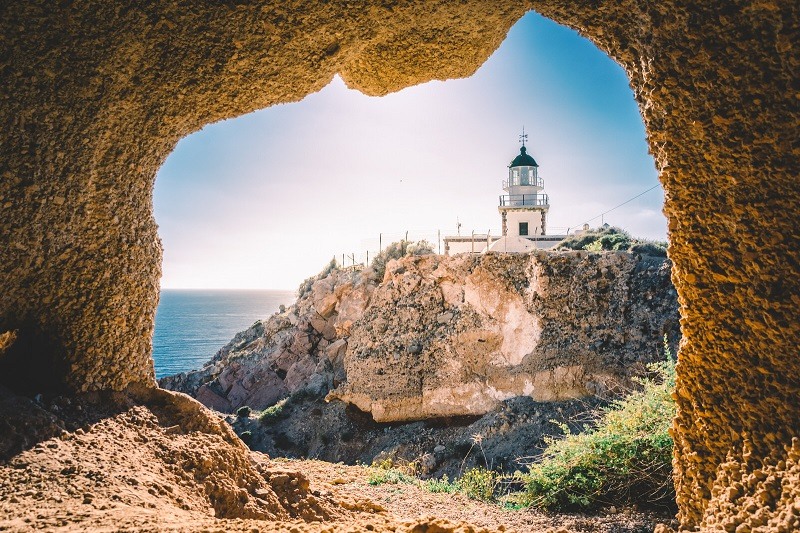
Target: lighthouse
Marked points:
523	210
523	213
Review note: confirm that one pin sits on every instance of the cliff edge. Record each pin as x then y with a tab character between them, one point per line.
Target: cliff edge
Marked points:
452	336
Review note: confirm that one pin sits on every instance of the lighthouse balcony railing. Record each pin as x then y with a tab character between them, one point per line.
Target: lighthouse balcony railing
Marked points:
524	200
523	181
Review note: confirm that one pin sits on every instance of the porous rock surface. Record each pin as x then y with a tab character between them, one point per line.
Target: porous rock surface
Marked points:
453	336
96	94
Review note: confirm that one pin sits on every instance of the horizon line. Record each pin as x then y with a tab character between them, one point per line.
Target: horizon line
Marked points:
227	289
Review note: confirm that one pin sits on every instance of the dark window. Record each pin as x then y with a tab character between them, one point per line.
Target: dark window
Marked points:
523	228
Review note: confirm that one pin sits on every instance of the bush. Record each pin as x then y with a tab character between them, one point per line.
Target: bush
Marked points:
378	476
246	436
440	485
478	483
587	239
626	458
272	413
654	248
385	471
396	250
305	286
612	239
243	411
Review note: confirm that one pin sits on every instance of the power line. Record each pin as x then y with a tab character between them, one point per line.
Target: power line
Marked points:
629	200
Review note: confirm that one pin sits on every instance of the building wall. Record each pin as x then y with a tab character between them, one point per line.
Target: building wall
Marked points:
462	244
532	217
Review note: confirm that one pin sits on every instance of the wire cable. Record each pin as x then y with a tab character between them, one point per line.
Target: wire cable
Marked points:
620	205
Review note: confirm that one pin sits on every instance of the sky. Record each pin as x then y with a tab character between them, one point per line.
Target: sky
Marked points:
266	199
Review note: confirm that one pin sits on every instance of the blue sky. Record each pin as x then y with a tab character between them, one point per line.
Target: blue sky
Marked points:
266	199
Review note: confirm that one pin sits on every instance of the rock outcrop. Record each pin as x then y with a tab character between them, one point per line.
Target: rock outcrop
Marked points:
300	349
453	336
189	462
456	336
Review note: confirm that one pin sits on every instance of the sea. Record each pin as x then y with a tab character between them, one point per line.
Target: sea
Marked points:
191	325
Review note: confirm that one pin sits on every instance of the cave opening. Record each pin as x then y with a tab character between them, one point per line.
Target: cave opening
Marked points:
91	119
264	200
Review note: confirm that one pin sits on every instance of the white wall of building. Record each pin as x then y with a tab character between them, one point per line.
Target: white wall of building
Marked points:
532	217
461	245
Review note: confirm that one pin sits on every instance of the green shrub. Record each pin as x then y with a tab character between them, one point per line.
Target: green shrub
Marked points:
612	239
654	248
439	485
626	458
273	412
243	411
379	475
479	483
396	250
615	241
587	239
246	436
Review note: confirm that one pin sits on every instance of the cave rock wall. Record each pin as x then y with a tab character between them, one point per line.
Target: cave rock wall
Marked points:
96	94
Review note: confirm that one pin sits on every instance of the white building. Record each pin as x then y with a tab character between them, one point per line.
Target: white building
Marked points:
523	213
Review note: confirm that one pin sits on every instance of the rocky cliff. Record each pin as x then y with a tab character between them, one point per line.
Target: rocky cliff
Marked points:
452	336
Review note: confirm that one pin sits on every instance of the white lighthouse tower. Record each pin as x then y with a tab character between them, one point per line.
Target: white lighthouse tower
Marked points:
523	213
523	210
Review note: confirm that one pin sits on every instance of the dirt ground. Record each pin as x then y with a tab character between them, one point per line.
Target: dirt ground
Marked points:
408	502
157	461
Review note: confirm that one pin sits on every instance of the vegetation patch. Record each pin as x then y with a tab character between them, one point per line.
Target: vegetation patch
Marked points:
479	483
272	412
625	459
439	485
476	483
611	238
386	471
393	476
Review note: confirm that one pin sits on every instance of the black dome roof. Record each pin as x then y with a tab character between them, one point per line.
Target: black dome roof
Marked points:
523	159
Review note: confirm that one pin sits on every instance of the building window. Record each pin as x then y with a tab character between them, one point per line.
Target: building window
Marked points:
523	228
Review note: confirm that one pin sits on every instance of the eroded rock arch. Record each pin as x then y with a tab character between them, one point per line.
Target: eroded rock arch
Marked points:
96	94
